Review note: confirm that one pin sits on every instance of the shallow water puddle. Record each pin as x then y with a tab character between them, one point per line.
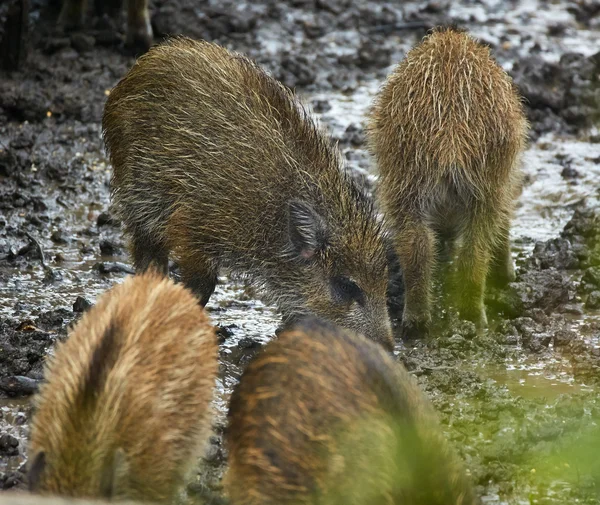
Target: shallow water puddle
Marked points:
559	174
530	378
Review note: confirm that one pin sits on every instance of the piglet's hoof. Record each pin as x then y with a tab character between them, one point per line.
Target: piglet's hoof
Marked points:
413	330
71	17
475	315
140	36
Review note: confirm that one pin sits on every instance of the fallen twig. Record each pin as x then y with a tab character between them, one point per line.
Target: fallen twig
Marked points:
38	246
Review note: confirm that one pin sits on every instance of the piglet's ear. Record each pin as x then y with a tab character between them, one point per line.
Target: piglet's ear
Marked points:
37	464
307	229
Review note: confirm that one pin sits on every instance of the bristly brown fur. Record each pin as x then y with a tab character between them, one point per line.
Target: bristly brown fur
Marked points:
323	416
208	153
126	403
447	130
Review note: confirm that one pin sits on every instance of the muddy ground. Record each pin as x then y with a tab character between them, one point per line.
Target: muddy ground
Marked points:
520	402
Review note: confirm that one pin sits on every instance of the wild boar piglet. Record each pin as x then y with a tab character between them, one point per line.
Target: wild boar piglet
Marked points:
447	130
125	408
324	416
220	165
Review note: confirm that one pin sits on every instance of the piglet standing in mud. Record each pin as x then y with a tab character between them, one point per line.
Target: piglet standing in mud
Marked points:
139	29
323	416
216	162
447	129
126	406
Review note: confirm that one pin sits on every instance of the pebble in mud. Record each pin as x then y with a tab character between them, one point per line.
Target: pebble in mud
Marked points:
105	219
110	248
297	70
593	300
9	445
108	267
354	135
555	253
81	304
321	106
19	385
591	278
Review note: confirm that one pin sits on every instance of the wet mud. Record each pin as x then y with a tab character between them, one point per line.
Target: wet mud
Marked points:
520	402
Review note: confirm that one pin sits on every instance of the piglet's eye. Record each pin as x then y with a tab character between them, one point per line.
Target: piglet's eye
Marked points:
346	291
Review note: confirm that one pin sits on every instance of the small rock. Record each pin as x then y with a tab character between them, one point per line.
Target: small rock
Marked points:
592	276
333	6
569	173
9	481
456	342
541	289
105	219
53	319
110	248
511	340
86	249
354	135
108	37
321	106
434	7
373	55
9	445
298	70
314	30
68	54
465	329
82	42
248	343
225	332
572	308
52	275
58	237
108	267
564	337
214	452
346	82
81	304
556	29
593	300
555	253
22	141
19	384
